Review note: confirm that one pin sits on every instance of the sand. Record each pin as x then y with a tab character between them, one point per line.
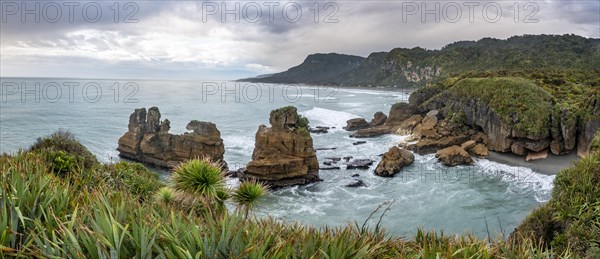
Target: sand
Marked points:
548	166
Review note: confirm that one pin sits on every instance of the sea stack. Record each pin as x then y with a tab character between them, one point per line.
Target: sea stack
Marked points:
148	141
283	154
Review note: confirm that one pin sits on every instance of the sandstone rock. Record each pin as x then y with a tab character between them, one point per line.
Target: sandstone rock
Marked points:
393	161
537	155
371	132
407	126
468	145
283	154
429	122
426	146
480	137
479	150
429	133
378	119
453	156
148	141
356	124
518	147
398	113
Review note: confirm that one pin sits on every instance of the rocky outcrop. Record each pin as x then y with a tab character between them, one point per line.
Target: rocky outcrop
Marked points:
379	118
371	132
453	156
398	113
393	161
479	150
283	153
148	141
356	124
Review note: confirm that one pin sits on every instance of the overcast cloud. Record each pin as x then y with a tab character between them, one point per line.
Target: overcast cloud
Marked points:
197	40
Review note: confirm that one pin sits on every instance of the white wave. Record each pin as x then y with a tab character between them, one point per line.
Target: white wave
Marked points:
521	179
329	118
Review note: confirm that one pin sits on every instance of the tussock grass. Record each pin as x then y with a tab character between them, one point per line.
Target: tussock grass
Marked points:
96	213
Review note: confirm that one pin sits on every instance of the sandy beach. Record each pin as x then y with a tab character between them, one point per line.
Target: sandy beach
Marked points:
549	166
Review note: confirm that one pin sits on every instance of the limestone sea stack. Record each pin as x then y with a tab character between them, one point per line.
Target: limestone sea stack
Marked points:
148	141
283	154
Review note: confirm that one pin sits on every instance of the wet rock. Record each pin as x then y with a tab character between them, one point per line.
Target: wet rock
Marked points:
356	124
329	168
347	158
234	173
393	161
334	159
318	130
359	143
359	164
371	132
325	148
356	175
453	156
357	183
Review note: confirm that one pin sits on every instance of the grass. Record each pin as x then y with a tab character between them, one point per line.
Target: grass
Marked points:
570	221
98	213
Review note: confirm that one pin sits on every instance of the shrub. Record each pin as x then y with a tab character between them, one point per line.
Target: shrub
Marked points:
201	177
164	195
248	195
61	161
65	141
132	177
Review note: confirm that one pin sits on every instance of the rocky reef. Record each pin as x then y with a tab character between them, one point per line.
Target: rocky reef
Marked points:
283	153
148	141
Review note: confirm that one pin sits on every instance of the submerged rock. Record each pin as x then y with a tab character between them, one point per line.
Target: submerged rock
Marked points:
393	161
357	183
359	164
283	154
359	143
148	141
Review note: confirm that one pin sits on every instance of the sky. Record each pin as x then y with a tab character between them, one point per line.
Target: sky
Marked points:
222	40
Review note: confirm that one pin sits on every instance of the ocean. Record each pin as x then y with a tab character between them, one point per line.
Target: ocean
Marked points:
426	194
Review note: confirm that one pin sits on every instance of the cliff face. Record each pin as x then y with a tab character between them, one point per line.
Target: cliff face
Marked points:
283	154
148	141
516	115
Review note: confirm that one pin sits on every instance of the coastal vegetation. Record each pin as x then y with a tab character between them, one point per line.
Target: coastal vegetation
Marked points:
412	67
104	211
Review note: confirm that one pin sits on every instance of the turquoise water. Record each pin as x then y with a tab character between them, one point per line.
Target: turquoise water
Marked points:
426	194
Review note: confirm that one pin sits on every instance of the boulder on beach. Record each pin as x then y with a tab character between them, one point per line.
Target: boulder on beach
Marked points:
453	156
283	153
148	141
479	150
393	161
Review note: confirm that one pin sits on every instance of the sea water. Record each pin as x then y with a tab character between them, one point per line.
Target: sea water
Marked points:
487	197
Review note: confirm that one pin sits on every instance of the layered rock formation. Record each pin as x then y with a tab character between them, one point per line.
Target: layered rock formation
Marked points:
283	154
148	141
507	126
364	129
453	156
393	161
